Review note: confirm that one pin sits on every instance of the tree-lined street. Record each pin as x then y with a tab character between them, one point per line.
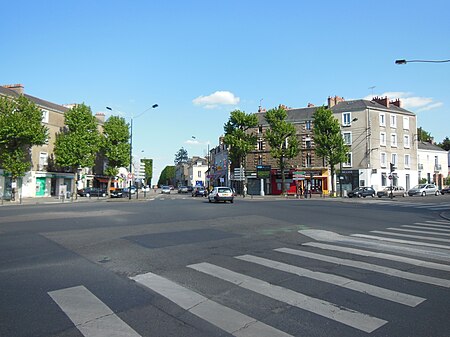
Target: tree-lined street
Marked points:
174	265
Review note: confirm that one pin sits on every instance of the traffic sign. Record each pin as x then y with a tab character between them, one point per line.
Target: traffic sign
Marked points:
390	177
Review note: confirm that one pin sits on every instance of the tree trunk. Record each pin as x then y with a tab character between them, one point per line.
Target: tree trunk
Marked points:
283	179
108	188
332	180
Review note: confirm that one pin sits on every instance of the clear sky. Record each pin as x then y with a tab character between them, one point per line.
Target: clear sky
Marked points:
200	59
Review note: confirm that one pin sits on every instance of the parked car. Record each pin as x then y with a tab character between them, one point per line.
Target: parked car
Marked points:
190	189
423	190
165	189
199	192
117	193
445	189
362	192
126	191
395	191
92	192
221	194
182	189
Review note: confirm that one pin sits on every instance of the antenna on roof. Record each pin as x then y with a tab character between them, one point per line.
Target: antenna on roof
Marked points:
371	88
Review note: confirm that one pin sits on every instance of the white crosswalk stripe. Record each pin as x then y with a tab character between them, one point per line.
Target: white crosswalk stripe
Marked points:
420	237
323	308
227	319
409	242
427	228
344	282
432	224
417	231
90	315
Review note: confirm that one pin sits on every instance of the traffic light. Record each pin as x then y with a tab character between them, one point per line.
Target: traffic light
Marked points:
392	167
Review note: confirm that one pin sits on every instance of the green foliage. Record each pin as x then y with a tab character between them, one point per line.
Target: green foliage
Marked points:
445	144
423	180
181	156
115	144
78	145
423	135
237	137
281	138
20	128
167	176
148	168
328	140
447	181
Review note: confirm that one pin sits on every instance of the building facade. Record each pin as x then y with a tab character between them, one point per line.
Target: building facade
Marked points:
432	163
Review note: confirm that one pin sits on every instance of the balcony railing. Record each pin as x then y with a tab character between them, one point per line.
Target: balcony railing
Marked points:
437	167
420	166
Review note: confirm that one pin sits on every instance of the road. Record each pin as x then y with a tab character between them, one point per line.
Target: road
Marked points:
174	265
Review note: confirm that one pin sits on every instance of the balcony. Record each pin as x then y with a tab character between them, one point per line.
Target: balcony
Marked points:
420	166
437	167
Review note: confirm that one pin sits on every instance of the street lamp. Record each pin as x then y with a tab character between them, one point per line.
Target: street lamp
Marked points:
131	144
422	61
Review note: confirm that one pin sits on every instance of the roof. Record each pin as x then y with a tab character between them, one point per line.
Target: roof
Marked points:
40	102
303	114
429	147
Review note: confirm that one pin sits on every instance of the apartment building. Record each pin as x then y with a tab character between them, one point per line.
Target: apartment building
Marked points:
432	163
378	132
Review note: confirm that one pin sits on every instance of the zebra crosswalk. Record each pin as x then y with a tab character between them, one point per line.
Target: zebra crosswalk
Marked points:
441	206
353	251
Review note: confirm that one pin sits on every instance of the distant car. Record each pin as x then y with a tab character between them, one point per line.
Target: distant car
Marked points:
126	190
445	190
190	188
396	191
117	193
171	187
92	192
182	189
362	192
221	194
199	192
165	189
423	190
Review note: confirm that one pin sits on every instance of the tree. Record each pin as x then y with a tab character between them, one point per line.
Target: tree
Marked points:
21	128
238	137
445	144
148	168
282	139
167	176
115	146
328	140
423	135
181	156
78	144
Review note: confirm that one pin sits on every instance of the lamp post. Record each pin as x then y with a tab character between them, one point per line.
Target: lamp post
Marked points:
420	61
130	174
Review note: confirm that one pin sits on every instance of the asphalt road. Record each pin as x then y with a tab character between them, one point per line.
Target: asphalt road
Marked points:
179	266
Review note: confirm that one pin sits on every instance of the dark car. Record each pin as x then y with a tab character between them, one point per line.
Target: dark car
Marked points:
362	192
445	190
199	192
92	192
117	193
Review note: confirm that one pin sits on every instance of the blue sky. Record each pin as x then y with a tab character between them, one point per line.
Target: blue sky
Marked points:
199	60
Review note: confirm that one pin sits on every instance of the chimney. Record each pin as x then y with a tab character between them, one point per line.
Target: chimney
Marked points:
310	105
332	101
100	117
15	87
397	102
382	100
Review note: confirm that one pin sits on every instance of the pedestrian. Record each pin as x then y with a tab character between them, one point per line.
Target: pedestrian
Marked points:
245	190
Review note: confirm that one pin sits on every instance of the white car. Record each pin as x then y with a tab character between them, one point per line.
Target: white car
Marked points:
165	190
221	194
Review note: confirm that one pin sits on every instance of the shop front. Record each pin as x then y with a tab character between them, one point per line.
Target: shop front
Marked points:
303	180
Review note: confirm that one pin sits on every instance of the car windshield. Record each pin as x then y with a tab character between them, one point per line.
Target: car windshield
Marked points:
420	186
224	190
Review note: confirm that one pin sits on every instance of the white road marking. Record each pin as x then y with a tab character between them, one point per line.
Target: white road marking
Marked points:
354	251
417	231
90	315
432	225
420	237
381	238
227	319
369	266
323	308
344	282
439	221
427	228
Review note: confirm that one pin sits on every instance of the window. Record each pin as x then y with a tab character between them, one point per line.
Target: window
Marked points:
393	140
308	143
43	160
348	160
44	116
383	159
406	142
383	179
346	118
394	159
199	174
383	138
393	119
308	160
405	123
260	145
347	138
407	161
382	119
260	129
308	125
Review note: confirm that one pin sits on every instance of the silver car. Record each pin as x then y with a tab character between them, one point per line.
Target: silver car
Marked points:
423	190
